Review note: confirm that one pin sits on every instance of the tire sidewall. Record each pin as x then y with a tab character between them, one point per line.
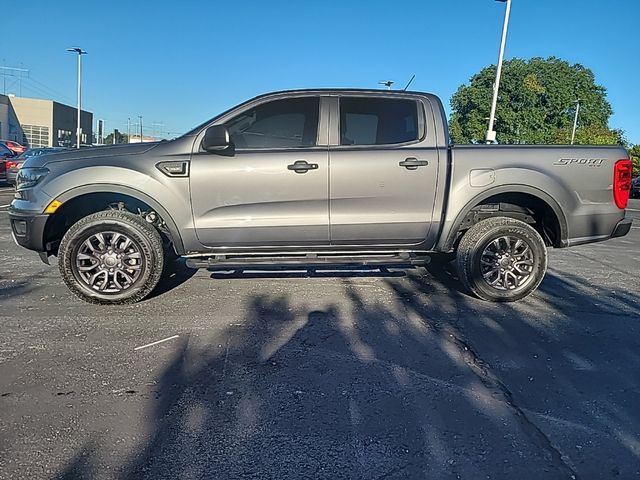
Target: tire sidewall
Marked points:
535	242
72	242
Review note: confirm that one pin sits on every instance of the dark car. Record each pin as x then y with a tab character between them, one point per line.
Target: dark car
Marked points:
14	164
5	154
635	188
15	147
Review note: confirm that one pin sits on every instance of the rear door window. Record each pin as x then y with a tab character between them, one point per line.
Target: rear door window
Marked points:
378	121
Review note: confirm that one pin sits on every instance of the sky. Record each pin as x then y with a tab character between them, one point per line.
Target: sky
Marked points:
177	63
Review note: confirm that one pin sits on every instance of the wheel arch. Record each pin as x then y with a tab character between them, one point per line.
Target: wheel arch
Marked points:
97	192
517	192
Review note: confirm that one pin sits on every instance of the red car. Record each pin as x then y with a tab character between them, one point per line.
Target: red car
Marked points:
5	155
14	146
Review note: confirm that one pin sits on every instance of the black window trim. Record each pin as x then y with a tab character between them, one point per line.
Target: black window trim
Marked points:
320	138
422	124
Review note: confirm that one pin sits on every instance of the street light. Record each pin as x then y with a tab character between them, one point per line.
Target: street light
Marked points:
80	52
575	121
491	133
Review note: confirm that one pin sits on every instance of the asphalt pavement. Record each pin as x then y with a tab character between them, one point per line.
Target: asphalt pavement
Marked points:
347	375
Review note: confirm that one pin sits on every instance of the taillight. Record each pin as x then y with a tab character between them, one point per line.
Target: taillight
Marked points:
11	164
622	176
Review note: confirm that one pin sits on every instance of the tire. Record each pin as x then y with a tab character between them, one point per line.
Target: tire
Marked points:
117	239
501	259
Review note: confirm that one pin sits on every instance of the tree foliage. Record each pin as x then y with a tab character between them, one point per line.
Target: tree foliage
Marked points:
119	137
536	105
634	154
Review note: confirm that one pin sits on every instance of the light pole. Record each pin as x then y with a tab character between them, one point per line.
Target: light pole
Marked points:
80	52
128	129
575	121
491	133
140	118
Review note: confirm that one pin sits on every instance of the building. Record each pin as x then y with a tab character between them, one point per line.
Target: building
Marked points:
9	125
136	139
46	123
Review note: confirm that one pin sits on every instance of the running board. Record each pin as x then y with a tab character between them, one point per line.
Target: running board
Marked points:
236	262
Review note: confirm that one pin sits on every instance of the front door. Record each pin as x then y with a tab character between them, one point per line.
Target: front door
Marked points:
273	190
383	174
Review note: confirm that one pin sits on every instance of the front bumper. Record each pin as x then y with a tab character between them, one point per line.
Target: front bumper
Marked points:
28	229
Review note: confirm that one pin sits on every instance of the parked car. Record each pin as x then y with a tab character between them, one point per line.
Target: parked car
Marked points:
5	154
635	188
317	177
15	147
14	164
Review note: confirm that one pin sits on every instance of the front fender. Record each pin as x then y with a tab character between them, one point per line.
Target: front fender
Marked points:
170	197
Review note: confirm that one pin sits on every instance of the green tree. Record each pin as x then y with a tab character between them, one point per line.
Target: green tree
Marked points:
536	105
592	135
120	137
634	153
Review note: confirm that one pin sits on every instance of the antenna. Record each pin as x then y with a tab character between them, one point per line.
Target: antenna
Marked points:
386	83
411	80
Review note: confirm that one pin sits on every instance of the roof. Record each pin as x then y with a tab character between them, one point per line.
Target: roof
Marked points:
348	90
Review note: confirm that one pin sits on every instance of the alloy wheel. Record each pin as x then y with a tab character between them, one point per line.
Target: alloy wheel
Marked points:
507	263
109	262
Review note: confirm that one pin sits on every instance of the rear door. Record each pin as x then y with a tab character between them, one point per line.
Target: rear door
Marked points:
383	170
273	190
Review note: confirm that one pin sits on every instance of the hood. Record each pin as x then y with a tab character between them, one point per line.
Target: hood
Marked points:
89	153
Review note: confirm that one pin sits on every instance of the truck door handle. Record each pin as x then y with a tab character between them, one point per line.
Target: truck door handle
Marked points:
301	166
413	163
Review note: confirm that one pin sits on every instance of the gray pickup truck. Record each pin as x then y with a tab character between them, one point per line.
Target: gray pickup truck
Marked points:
317	177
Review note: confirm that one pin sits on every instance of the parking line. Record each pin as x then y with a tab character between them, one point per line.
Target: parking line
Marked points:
156	343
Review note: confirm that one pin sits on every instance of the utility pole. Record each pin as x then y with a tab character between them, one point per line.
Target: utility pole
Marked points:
491	133
128	129
18	73
575	121
140	118
80	52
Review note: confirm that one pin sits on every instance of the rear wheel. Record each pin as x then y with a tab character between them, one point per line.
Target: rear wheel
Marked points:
501	259
111	257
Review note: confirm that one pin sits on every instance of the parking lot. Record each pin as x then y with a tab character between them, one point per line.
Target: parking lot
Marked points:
354	374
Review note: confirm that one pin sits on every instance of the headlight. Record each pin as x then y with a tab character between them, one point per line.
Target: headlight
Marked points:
29	177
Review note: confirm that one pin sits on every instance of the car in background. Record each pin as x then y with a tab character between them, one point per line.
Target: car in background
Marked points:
5	154
15	147
635	188
13	164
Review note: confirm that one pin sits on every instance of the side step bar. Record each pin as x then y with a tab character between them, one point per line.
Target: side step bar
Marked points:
229	262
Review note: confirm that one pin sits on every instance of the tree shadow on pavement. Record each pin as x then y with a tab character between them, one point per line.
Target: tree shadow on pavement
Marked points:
408	378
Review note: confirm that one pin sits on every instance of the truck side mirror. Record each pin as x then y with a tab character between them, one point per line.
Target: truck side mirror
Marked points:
216	139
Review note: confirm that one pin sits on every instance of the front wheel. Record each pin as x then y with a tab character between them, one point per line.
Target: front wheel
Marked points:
501	259
111	257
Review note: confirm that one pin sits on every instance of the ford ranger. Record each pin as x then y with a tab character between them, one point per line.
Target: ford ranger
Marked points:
317	177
